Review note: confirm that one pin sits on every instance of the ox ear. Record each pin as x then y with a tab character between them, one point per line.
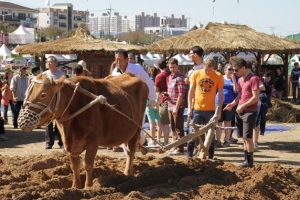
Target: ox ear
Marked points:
31	79
60	81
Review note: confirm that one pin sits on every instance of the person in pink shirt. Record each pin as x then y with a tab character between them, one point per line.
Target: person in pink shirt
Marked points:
247	105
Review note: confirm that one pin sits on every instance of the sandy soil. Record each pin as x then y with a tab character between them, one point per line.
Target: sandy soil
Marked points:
28	171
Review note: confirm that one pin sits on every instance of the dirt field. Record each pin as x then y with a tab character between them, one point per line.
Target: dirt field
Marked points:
28	171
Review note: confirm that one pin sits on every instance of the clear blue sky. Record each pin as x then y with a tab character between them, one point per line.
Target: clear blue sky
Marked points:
280	17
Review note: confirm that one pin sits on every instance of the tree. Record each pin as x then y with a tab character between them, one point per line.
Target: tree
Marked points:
71	33
137	37
51	32
4	28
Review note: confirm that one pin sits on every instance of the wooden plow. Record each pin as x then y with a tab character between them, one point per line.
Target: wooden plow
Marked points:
197	132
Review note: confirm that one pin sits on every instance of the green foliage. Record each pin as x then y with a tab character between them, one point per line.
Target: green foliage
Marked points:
138	38
51	33
71	33
7	29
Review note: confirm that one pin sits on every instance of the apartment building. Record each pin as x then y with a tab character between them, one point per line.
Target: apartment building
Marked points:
106	23
13	15
139	22
61	15
171	21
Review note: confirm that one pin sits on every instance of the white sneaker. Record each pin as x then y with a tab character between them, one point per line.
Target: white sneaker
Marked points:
175	152
255	146
152	143
2	137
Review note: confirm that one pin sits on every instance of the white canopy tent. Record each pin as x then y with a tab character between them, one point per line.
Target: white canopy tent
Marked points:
147	60
182	60
21	36
62	57
14	50
4	52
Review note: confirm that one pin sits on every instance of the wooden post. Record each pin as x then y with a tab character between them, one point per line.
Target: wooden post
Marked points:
286	91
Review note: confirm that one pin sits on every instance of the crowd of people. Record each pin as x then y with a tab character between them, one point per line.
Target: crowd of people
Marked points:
233	96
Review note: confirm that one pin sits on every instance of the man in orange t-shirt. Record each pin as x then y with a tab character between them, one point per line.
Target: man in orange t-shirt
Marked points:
205	83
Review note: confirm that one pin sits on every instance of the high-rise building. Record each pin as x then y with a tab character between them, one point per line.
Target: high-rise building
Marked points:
125	24
116	23
139	22
107	23
62	15
171	21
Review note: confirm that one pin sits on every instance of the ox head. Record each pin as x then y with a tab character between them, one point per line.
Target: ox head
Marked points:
41	102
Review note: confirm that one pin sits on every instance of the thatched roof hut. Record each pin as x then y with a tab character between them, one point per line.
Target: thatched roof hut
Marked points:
219	37
98	54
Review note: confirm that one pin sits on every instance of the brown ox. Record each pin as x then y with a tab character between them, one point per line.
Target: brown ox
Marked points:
98	125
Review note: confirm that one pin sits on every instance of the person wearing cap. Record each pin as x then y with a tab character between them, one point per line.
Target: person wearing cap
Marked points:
122	66
78	70
50	130
86	72
19	84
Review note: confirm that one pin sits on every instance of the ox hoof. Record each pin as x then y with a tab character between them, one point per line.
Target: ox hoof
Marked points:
144	150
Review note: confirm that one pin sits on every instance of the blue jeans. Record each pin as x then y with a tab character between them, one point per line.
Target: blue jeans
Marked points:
12	108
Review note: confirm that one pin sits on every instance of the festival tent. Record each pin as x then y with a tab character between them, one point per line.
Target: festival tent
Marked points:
21	36
146	60
182	60
14	50
63	57
273	59
4	52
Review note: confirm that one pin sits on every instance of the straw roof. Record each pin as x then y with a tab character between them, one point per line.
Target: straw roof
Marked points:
81	42
219	37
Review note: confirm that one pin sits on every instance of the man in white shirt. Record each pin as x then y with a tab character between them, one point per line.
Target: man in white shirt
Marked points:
122	66
18	86
55	74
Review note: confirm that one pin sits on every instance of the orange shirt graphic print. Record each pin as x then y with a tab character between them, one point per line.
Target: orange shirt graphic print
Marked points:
206	85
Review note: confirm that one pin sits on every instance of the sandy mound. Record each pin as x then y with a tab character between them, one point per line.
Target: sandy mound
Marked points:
49	177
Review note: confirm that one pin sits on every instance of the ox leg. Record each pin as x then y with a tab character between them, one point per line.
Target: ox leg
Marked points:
75	166
129	166
131	148
90	154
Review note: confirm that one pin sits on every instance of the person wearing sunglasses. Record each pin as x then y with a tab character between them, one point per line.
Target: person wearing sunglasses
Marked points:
230	90
247	105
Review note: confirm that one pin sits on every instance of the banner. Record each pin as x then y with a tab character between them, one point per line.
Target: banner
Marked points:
47	2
